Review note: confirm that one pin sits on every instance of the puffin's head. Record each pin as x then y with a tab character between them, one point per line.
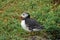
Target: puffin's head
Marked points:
25	15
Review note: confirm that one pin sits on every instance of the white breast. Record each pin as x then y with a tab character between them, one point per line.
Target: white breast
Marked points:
24	25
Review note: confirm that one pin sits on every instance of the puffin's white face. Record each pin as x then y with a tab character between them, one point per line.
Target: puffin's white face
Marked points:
24	15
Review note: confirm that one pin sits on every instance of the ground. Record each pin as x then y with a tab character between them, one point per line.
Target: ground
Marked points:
45	12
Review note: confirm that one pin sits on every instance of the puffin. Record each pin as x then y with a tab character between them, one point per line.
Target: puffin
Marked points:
30	24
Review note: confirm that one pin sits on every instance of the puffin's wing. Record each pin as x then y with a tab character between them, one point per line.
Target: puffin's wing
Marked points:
32	24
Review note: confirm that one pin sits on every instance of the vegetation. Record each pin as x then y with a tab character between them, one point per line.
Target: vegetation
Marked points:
46	12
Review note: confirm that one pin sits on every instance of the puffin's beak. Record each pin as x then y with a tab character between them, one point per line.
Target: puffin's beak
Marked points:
21	18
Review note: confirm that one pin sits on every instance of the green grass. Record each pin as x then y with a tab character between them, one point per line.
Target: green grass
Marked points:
45	12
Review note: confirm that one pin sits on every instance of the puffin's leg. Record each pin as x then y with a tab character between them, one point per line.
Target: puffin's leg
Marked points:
31	33
28	33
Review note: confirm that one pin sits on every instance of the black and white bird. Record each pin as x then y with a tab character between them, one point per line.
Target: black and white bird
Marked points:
29	24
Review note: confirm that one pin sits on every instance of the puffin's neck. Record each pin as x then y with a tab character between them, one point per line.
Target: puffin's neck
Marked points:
25	18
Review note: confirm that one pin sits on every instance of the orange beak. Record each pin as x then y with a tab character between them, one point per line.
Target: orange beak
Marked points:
21	18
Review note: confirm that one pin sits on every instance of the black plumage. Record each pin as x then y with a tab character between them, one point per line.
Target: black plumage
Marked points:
33	24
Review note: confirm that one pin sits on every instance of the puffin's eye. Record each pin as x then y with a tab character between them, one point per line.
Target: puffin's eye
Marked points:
23	14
